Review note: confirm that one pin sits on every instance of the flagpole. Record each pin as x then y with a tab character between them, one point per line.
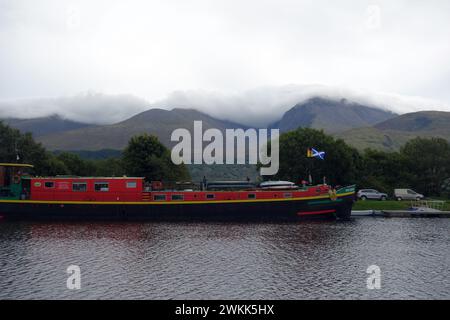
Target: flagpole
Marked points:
310	165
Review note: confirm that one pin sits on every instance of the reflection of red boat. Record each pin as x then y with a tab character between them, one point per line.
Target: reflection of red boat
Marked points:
126	198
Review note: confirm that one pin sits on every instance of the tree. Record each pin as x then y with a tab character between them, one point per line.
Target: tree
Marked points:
428	162
146	157
340	164
76	165
21	148
110	167
382	171
52	167
16	147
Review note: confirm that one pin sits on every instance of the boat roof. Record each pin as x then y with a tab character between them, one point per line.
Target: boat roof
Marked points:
276	183
22	165
226	182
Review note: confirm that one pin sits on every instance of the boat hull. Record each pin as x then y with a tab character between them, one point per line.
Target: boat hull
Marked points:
277	210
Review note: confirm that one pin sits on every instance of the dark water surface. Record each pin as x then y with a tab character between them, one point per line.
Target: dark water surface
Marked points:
311	260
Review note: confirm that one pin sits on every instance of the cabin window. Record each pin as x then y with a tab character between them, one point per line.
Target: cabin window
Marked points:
210	196
251	196
288	195
177	197
101	186
49	184
159	197
79	186
131	184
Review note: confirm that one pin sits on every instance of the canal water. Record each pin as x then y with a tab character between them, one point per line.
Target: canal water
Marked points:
308	260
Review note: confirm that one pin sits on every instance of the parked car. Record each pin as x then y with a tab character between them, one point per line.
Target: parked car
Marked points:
365	194
407	194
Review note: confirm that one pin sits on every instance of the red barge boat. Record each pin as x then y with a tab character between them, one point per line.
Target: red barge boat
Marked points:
25	197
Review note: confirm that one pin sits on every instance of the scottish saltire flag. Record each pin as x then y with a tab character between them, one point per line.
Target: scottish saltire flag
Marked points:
313	153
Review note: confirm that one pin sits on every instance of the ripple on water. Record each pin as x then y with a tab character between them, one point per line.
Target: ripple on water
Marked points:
227	261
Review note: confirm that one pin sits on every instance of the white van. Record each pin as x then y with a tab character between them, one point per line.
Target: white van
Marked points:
407	194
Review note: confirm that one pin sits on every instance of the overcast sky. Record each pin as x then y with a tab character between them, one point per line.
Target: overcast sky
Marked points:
160	51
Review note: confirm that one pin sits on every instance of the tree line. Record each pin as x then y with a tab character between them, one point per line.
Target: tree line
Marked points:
422	164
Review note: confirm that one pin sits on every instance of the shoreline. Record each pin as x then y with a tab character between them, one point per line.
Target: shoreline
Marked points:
378	205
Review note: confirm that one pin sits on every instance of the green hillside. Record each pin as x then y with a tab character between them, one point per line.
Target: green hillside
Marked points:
155	121
45	125
390	135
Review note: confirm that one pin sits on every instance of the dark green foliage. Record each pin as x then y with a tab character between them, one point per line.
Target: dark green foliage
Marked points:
428	162
17	147
340	164
446	188
94	155
422	164
111	167
75	165
146	157
383	171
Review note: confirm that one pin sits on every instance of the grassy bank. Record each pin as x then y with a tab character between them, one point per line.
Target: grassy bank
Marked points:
387	205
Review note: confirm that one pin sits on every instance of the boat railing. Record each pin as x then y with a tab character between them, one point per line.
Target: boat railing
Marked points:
428	204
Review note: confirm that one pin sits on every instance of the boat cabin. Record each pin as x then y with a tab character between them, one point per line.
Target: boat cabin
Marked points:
87	189
14	180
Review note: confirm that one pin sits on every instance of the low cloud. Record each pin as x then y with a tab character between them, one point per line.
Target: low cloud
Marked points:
258	107
93	108
262	106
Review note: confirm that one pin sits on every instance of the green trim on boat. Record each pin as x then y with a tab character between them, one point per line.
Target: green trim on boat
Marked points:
324	201
346	189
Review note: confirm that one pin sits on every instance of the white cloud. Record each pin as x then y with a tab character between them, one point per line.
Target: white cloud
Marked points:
257	107
262	106
87	107
215	52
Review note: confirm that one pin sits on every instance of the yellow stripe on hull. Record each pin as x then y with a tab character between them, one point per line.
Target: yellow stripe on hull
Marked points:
171	202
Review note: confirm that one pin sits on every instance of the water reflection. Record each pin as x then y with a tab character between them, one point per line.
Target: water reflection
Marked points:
226	260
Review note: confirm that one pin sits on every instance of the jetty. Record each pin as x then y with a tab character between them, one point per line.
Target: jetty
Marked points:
415	214
418	209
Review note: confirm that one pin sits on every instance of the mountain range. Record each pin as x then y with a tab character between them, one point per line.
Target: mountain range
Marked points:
158	122
45	125
360	125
